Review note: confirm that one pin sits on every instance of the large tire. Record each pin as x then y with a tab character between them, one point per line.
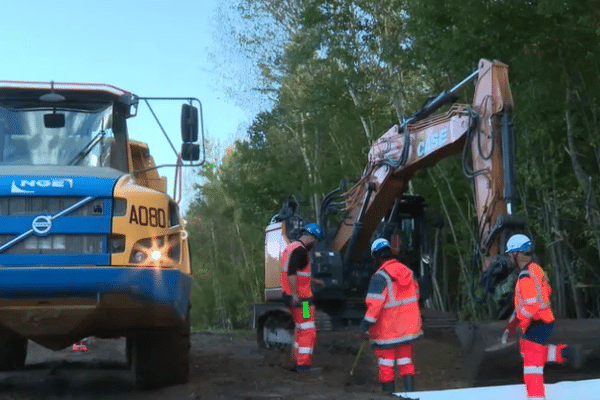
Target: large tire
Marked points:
160	357
13	351
274	321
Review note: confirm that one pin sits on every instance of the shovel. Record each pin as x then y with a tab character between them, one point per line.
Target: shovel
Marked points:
360	350
504	343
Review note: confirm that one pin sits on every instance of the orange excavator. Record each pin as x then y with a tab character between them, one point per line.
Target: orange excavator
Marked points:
378	206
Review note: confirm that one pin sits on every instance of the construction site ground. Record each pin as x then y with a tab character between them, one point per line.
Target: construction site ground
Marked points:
230	366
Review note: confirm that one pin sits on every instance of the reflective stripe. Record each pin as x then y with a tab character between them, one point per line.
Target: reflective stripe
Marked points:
399	340
305	350
552	353
392	302
386	362
530	301
533	370
526	313
401	302
370	319
306	325
302	273
404	361
375	296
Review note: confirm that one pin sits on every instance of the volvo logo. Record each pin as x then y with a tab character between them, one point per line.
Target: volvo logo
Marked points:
41	225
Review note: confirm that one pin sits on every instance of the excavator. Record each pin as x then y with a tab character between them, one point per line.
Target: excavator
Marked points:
378	205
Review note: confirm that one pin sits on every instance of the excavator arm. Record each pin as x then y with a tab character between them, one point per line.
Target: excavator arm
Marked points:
483	127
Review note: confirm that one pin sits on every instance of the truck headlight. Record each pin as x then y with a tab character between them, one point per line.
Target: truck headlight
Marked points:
157	251
137	257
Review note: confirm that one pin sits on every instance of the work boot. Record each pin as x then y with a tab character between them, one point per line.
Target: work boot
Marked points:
574	354
388	387
409	383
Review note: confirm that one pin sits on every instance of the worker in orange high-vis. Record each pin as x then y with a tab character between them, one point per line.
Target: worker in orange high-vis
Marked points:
533	314
393	317
296	286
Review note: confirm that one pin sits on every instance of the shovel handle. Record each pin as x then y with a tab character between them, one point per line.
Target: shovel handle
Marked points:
360	350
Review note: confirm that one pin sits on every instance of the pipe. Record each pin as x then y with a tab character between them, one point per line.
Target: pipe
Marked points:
508	157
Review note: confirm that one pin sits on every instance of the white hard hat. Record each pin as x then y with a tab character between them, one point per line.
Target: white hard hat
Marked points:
379	244
518	242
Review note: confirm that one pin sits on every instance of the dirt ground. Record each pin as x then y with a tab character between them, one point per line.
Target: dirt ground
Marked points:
227	366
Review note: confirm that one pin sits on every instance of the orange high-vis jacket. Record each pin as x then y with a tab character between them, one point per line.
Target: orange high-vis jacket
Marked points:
532	296
303	275
393	316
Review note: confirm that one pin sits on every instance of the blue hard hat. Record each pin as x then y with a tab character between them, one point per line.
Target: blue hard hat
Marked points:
379	244
314	230
518	242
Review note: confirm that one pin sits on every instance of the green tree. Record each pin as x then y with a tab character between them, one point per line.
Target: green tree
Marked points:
338	73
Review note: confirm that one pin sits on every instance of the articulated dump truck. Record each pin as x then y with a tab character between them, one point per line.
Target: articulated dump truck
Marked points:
378	206
91	245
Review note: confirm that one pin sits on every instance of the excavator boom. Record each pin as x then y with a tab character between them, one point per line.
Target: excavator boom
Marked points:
420	142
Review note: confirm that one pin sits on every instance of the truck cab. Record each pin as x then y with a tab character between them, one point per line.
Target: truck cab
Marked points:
90	242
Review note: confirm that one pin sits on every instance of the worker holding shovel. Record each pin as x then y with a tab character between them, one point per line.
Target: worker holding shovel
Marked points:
533	314
393	318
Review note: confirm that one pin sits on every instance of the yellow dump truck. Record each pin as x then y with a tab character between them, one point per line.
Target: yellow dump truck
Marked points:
90	242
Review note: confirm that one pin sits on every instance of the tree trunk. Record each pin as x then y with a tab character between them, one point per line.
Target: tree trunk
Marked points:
365	125
464	275
584	180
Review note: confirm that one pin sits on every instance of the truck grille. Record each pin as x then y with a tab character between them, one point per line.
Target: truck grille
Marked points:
55	244
31	206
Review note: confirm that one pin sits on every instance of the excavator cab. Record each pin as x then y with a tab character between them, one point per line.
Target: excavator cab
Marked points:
346	283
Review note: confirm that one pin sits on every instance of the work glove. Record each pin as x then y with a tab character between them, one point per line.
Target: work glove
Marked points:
511	327
364	336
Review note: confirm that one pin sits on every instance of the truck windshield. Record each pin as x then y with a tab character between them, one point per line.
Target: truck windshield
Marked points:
86	139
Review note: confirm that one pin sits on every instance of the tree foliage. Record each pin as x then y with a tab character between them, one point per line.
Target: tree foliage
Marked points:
340	73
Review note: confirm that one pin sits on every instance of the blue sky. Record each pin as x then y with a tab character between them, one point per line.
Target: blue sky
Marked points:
150	48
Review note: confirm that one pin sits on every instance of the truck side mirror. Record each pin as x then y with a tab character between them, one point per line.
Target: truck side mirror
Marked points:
190	152
189	124
54	120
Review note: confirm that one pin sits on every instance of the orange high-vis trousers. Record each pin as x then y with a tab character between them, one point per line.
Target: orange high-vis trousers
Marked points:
535	356
400	356
305	336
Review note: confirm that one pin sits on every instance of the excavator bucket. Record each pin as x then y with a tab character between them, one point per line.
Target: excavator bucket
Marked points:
487	361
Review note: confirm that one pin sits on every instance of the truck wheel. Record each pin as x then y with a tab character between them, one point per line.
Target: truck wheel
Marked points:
13	351
160	357
276	332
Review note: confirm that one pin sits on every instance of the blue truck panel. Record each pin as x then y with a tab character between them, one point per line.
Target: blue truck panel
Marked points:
165	287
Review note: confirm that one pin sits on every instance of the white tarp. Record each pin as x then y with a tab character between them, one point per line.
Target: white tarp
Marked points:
577	390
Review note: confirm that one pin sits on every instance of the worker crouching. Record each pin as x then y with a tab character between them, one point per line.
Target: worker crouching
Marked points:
393	318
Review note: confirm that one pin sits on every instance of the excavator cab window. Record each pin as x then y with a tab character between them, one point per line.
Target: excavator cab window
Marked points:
293	227
293	221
